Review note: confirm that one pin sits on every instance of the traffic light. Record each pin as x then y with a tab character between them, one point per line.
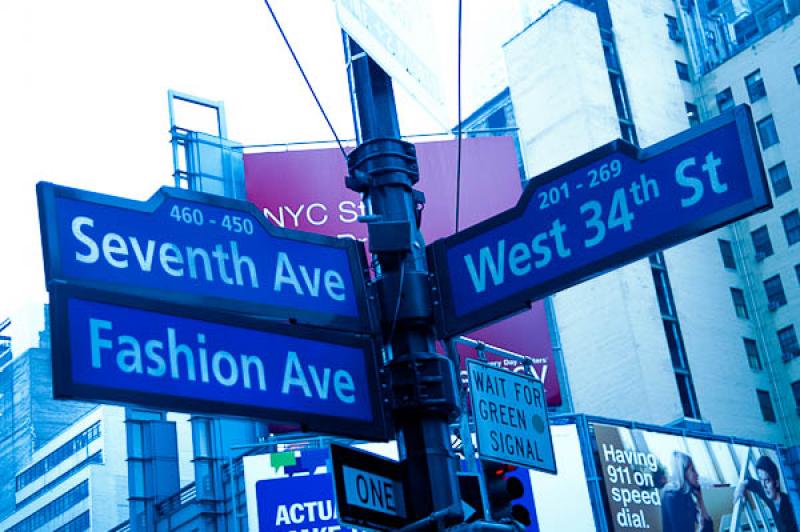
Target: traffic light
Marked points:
502	489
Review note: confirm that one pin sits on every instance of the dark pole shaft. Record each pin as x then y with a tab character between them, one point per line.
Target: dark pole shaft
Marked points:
422	382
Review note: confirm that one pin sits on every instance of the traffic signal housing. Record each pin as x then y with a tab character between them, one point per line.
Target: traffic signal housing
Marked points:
502	489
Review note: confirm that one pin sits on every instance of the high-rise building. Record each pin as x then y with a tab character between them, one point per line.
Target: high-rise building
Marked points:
77	481
705	334
29	417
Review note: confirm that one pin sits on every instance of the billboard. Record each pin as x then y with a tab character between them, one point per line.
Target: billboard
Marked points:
305	190
665	482
290	491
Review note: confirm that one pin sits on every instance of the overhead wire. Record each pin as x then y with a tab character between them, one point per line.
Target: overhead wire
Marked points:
308	83
458	84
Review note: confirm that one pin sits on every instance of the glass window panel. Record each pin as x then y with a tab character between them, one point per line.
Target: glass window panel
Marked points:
726	250
761	243
683	70
725	100
788	341
753	358
791	226
796	394
781	182
767	132
765	402
739	304
755	86
775	294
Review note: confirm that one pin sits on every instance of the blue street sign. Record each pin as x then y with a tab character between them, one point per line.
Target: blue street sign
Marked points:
291	504
600	211
198	249
120	348
370	489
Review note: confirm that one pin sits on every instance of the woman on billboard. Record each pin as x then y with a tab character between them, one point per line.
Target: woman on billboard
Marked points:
682	507
768	488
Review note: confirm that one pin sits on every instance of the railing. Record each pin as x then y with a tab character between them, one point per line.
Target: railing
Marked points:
174	503
125	526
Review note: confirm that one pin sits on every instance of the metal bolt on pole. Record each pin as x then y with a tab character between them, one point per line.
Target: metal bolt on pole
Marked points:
422	383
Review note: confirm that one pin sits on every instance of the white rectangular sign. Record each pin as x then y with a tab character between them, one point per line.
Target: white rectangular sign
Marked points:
398	35
510	414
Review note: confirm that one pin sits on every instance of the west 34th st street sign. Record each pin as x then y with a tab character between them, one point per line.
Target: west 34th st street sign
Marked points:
600	211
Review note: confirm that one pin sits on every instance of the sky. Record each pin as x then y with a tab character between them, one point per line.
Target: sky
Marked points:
83	101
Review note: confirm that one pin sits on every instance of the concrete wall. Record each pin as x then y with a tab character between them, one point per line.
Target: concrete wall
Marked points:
614	349
559	87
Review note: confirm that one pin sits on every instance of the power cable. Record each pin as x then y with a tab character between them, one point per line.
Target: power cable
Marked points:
458	159
308	83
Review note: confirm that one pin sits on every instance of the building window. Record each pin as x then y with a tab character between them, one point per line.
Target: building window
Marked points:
79	524
726	249
755	86
738	303
619	99
746	30
797	272
775	294
628	133
753	358
41	467
772	19
767	132
787	338
692	114
687	395
683	70
663	292
764	401
796	394
725	100
96	458
791	225
497	120
672	29
779	175
761	243
54	509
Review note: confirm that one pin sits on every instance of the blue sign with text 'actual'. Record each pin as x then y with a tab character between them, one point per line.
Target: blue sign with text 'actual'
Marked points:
117	348
609	207
292	504
193	248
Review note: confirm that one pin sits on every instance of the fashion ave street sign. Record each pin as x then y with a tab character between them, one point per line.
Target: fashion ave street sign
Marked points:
193	248
192	302
600	211
121	348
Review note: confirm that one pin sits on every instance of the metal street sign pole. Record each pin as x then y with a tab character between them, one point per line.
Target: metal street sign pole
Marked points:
422	383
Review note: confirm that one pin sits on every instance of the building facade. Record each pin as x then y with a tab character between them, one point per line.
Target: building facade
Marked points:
77	481
29	417
703	331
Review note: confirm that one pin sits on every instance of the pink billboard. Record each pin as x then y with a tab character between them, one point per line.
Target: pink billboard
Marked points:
305	190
